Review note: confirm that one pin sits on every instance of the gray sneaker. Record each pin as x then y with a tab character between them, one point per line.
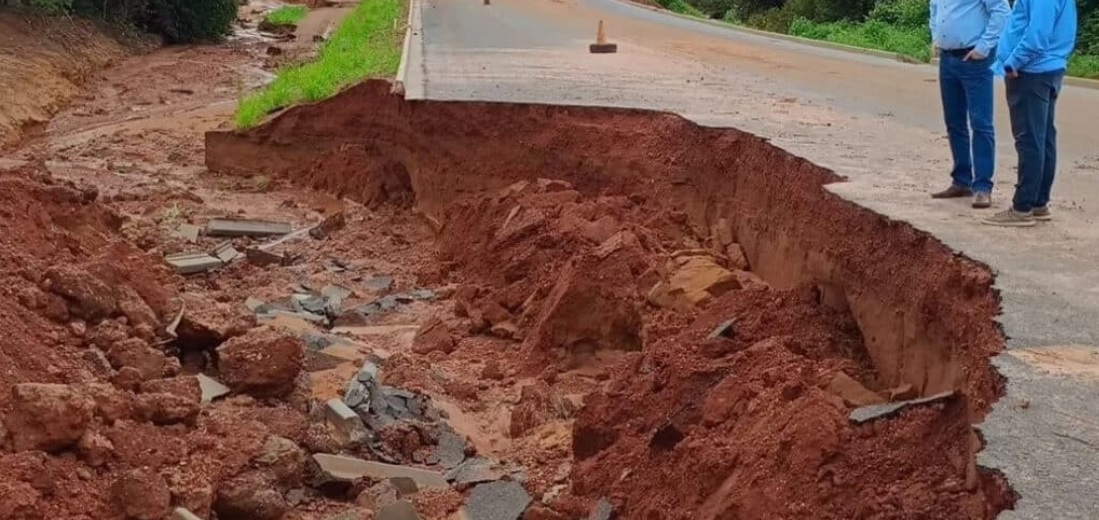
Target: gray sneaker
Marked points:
982	200
1041	213
1010	218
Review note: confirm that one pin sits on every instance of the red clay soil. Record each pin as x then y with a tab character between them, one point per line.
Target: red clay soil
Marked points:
82	436
688	427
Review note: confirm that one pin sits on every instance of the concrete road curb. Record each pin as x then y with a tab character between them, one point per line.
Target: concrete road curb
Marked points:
1069	80
410	80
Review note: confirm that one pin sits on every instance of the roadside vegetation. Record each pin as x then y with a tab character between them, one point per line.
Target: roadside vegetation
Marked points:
179	21
366	44
287	15
898	26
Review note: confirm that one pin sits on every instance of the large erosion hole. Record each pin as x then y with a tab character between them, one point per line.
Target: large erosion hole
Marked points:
737	425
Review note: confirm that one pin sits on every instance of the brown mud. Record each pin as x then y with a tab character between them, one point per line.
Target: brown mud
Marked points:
598	248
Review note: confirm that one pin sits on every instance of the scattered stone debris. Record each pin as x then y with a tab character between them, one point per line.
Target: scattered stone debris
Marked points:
452	448
226	227
502	500
725	330
225	252
211	388
190	263
379	283
262	363
264	258
345	420
347	469
475	470
866	414
189	232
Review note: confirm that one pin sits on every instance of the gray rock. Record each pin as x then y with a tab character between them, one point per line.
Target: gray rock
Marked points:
211	388
379	283
864	414
474	471
452	448
497	501
348	469
316	341
405	485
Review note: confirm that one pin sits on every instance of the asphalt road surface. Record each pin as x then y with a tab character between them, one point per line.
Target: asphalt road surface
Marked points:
876	121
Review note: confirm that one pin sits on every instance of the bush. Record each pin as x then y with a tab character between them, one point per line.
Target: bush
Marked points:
904	13
1087	41
773	20
287	15
187	21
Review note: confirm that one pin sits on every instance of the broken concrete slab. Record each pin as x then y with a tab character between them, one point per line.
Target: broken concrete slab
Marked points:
228	227
184	514
307	316
344	419
188	232
191	263
475	471
399	510
211	388
263	258
334	296
348	469
497	501
725	330
225	252
452	448
875	412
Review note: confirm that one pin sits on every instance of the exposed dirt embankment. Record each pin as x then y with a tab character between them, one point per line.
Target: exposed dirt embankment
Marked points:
584	230
43	63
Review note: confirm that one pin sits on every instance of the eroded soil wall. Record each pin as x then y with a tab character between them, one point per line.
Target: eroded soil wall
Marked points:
926	314
43	63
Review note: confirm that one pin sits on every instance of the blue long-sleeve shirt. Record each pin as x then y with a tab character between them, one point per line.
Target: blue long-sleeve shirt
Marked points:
960	24
1040	36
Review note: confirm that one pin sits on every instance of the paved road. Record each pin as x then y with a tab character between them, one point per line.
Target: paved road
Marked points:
873	120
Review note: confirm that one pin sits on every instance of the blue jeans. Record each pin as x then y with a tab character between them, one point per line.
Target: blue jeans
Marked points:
1032	100
966	88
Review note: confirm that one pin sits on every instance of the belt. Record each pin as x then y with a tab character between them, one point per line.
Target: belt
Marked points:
958	53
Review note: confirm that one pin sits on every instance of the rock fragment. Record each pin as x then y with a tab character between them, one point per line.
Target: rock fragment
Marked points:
141	494
211	388
262	363
249	496
164	409
138	354
433	336
852	392
94	449
283	458
474	471
347	469
497	501
47	417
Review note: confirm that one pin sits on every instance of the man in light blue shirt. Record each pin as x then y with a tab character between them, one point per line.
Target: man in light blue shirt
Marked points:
965	33
1033	54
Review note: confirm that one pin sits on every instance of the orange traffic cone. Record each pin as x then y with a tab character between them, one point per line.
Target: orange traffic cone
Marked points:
601	46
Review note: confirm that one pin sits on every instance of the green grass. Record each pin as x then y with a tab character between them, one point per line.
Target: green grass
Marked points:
287	15
1084	66
910	42
681	7
366	44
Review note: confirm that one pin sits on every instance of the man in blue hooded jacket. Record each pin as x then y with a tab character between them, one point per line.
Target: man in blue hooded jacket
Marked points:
1033	56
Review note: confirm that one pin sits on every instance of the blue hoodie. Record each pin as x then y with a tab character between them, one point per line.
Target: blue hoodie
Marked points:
1040	36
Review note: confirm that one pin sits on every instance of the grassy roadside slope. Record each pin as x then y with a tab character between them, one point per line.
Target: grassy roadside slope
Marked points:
366	44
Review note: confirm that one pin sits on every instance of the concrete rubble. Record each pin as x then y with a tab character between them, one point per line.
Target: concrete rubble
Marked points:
227	227
339	468
875	412
502	500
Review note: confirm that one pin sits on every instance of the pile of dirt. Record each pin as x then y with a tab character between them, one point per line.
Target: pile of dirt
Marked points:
43	63
96	421
823	307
